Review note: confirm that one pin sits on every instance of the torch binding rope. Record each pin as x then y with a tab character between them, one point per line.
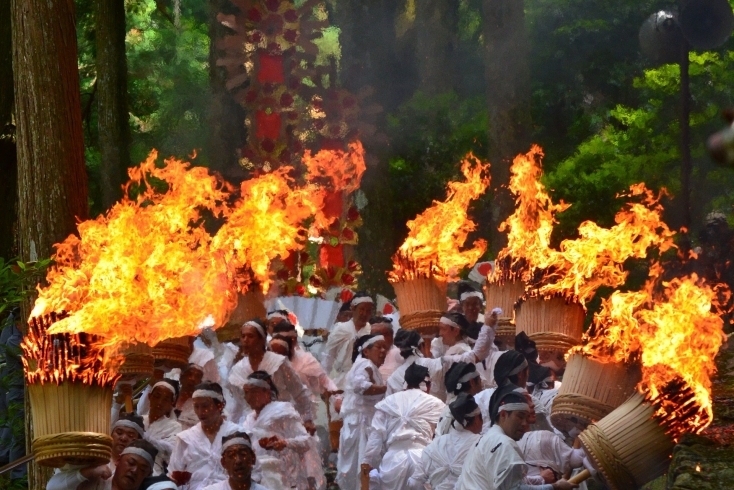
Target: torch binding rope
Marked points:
173	350
505	331
87	448
580	406
137	365
552	342
425	322
606	459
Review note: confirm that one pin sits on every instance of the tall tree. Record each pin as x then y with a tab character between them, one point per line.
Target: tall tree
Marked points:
437	39
8	164
112	107
508	98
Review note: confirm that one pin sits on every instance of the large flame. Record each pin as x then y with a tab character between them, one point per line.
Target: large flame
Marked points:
530	226
578	267
337	170
145	271
436	236
673	329
266	222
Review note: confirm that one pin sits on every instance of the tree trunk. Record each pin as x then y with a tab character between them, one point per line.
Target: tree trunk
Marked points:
227	131
508	99
112	107
436	29
52	181
8	163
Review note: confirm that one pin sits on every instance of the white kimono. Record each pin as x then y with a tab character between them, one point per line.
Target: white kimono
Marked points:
443	459
393	360
357	412
286	380
437	367
312	375
402	426
486	369
194	453
544	448
224	485
69	477
338	351
297	462
438	349
162	434
496	463
205	357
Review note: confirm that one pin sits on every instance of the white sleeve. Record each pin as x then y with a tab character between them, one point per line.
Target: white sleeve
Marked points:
376	440
296	389
178	456
360	381
65	480
482	348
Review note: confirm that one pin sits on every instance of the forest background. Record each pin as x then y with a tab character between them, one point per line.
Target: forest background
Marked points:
604	117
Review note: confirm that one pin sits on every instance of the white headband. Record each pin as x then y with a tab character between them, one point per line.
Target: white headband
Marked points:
281	342
513	407
257	327
449	321
163	485
237	441
519	368
139	452
470	294
276	314
371	341
163	384
465	378
473	413
207	394
260	383
130	424
362	299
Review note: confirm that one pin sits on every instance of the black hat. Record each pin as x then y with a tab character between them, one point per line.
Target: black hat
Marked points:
510	363
459	375
504	395
415	375
526	346
463	406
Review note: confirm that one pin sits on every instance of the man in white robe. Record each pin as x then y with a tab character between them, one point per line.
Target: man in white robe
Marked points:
257	358
238	460
497	462
444	457
337	358
382	325
126	429
402	426
161	426
462	377
195	461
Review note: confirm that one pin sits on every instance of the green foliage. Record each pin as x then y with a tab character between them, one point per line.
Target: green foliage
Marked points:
430	136
641	144
15	279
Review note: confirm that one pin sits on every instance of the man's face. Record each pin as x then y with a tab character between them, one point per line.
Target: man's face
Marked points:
449	335
238	461
122	437
362	313
471	308
130	472
384	329
515	423
257	397
161	402
279	349
376	352
250	340
206	409
190	378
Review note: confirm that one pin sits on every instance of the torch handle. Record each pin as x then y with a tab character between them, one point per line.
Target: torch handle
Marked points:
364	477
128	403
583	476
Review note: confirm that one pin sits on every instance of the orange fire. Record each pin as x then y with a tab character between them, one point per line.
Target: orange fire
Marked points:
335	169
436	235
267	222
530	226
63	357
145	271
578	267
674	331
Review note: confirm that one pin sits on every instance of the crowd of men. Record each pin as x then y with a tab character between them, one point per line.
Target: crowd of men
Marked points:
458	411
